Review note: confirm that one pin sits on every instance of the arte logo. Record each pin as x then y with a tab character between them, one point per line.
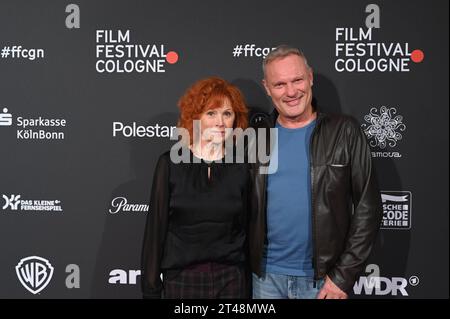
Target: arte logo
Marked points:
34	273
124	277
120	204
397	208
374	284
36	128
358	49
15	203
383	129
116	54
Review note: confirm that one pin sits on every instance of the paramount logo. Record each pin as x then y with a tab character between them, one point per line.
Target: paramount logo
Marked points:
120	204
34	273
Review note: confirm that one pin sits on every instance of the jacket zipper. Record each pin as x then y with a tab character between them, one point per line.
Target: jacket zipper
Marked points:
313	213
265	220
266	176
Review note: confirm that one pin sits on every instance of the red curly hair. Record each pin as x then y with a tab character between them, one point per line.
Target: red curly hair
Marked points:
209	94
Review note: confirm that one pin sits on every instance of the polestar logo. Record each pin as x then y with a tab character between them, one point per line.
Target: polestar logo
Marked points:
383	128
34	273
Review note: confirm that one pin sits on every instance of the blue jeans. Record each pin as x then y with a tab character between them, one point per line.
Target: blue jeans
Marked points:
273	286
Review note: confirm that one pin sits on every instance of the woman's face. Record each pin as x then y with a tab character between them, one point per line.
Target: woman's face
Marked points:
213	123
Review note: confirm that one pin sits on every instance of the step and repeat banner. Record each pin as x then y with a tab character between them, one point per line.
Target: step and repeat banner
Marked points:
88	102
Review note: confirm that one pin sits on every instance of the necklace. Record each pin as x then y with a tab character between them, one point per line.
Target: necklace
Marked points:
211	153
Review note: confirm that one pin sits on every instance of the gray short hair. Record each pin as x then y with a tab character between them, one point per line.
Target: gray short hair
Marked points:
282	51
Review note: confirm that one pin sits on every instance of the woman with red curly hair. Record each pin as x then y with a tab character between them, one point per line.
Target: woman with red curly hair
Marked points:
196	228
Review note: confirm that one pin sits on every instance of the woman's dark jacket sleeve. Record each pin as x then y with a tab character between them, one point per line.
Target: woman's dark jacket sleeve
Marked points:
156	230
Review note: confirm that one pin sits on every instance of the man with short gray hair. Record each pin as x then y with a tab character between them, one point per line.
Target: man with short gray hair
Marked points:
317	216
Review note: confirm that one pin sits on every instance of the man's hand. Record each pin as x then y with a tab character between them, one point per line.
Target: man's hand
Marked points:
331	291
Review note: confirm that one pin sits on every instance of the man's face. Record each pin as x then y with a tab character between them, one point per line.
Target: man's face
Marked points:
288	82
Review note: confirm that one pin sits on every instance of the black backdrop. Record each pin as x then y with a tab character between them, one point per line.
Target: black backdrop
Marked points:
84	182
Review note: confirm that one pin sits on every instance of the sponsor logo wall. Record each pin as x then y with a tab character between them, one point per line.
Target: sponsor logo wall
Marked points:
89	102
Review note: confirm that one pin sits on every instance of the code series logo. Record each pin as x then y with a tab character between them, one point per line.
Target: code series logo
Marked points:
397	208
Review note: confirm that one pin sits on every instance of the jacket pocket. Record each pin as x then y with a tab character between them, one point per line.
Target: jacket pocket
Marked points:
338	180
338	165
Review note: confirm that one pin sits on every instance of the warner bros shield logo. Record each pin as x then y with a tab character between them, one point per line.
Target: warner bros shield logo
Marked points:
34	273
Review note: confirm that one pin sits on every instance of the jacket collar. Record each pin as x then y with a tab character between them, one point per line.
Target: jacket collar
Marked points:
274	115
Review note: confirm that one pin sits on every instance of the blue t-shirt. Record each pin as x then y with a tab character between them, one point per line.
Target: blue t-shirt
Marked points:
289	228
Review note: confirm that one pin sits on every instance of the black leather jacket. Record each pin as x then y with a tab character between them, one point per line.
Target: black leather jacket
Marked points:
346	202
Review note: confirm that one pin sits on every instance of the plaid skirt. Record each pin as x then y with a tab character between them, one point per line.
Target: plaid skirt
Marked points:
207	281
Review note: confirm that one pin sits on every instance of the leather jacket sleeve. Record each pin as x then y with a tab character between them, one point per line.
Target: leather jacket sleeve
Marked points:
367	212
155	231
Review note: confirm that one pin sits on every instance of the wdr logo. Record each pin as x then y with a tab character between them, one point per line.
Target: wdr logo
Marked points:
374	284
34	273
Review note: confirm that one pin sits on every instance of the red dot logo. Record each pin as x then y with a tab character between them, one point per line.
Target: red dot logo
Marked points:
172	57
417	56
